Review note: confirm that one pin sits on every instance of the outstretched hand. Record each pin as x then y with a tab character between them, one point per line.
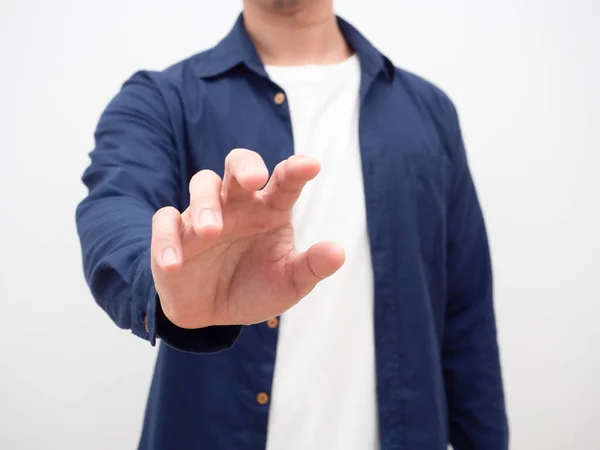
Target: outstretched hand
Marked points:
230	258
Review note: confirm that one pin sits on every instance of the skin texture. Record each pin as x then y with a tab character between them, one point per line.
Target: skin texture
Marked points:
230	258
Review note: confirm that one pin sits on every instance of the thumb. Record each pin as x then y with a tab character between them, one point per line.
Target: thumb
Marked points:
317	263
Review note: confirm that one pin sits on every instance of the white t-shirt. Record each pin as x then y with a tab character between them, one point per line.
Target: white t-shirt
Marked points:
324	393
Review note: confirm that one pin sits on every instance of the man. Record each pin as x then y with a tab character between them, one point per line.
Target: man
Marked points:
188	235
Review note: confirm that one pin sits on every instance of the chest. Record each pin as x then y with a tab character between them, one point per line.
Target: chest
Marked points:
381	146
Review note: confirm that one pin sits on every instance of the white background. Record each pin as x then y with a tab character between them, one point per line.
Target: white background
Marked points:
525	75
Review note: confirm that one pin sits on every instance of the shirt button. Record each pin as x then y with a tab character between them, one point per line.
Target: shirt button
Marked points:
279	98
272	323
262	398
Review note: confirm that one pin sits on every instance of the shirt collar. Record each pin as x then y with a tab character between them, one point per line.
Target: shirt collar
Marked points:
237	48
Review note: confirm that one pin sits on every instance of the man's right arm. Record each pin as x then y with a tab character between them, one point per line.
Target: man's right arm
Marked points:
134	172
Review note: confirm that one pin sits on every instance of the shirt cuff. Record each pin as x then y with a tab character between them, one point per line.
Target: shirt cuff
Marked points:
202	340
149	322
144	299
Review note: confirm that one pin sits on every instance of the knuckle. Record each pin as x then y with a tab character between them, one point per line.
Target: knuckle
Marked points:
205	201
240	154
165	213
280	170
164	221
202	176
233	155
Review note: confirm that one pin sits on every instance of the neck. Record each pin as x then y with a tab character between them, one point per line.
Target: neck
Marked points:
297	34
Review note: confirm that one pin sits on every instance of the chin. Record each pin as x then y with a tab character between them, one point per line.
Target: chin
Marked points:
288	5
285	6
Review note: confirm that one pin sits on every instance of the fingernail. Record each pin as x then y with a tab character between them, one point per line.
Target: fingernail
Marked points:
208	217
169	257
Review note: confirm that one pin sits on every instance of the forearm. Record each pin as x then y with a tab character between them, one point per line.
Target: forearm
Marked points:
133	173
115	242
477	417
472	370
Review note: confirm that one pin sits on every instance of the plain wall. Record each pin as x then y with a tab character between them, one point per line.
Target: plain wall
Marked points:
525	75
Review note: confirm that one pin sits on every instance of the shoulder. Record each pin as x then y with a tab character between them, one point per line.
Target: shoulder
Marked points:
427	95
177	77
436	107
171	92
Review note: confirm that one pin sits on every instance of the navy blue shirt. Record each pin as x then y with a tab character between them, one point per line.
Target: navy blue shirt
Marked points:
438	371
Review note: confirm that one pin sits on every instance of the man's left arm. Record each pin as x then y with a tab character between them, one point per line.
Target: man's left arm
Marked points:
476	409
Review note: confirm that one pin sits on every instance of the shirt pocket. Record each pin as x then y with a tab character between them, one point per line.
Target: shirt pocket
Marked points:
426	176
